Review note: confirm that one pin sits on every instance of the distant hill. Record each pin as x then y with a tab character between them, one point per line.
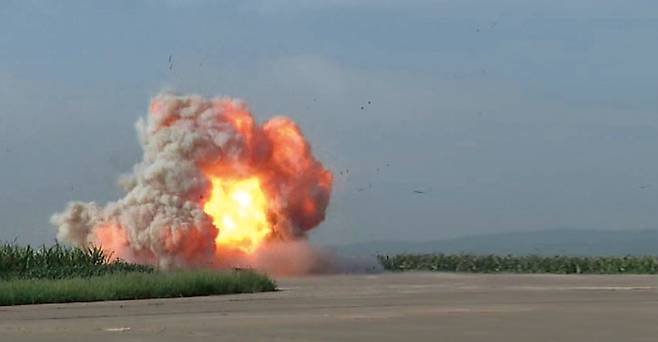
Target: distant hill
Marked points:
547	242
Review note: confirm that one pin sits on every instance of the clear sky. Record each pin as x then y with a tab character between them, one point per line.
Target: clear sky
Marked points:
509	115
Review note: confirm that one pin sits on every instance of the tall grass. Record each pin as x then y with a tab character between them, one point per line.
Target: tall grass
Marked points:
123	286
520	264
59	262
60	274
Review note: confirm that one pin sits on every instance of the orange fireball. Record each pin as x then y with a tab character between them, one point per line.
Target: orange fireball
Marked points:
239	211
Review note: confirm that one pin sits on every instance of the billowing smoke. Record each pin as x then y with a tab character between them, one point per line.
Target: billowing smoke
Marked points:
214	188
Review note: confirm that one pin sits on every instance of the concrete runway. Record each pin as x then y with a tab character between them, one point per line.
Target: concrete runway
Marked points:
383	307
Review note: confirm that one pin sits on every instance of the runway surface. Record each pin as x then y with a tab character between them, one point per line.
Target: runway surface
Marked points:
382	307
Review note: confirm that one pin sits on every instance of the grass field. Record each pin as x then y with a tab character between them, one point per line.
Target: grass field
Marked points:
122	286
520	264
59	274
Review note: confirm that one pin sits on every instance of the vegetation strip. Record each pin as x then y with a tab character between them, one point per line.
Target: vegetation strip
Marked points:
123	286
520	264
59	274
59	262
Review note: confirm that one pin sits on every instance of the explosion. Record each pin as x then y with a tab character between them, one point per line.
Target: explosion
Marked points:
214	188
238	207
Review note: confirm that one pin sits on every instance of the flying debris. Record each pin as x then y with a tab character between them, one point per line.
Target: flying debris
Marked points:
646	186
365	188
419	191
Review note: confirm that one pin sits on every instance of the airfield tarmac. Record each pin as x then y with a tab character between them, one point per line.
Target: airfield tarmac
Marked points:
380	307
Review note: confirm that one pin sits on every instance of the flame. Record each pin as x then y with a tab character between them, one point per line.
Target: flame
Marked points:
239	211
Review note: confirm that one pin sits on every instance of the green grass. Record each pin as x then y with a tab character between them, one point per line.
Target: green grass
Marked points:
58	262
520	264
60	274
123	286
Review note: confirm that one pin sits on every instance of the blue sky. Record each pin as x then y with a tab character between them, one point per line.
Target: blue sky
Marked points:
513	116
